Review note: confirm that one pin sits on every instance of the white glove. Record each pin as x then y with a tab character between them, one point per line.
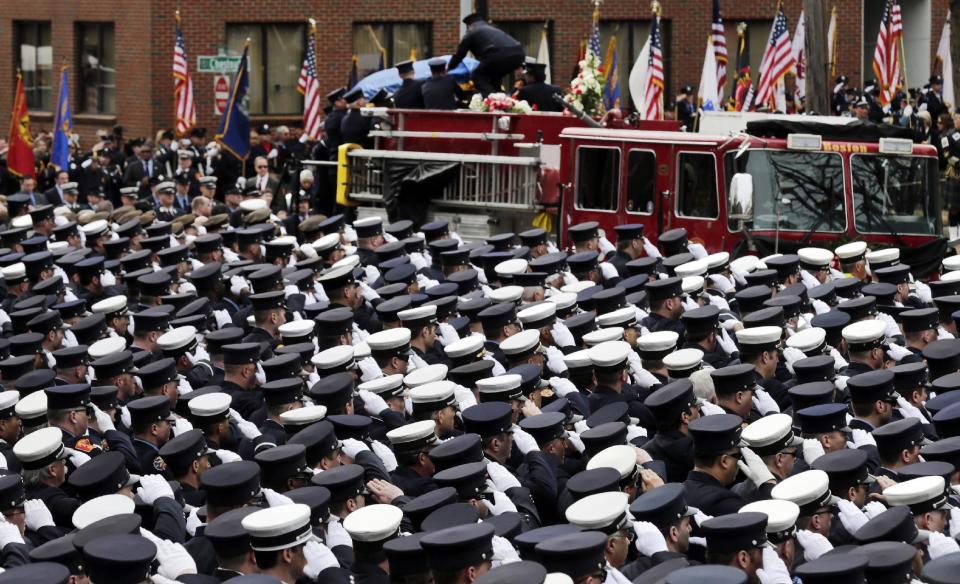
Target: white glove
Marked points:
650	249
605	245
814	544
812	450
385	455
709	409
104	422
892	330
183	386
249	430
861	438
774	571
448	334
373	404
908	410
372	273
418	261
503	552
37	514
193	522
850	516
9	533
838	361
765	404
722	283
635	432
641	376
238	284
581	426
368	293
181	425
336	534
874	508
700	517
77	458
153	487
501	478
524	441
897	352
175	560
574	439
272	154
940	545
609	271
819	306
562	335
319	558
923	292
464	397
954	523
501	504
726	343
697	250
754	468
555	362
275	499
227	456
840	382
107	279
562	386
352	447
369	369
791	355
223	318
649	540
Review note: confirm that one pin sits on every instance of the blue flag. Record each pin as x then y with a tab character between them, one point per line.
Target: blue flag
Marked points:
62	125
234	132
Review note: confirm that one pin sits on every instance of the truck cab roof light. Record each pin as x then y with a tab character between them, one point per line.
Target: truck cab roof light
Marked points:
804	142
896	146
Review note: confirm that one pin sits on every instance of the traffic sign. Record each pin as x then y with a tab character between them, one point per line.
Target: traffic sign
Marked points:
221	93
221	63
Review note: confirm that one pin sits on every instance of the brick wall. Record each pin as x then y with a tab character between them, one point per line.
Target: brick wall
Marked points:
145	30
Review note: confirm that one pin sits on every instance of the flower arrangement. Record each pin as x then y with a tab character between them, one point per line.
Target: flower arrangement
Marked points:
499	102
586	89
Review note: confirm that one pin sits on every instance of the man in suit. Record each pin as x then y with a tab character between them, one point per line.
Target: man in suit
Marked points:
140	171
55	193
499	53
537	92
408	95
28	187
262	177
182	195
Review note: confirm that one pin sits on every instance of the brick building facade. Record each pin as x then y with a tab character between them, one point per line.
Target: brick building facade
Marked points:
142	33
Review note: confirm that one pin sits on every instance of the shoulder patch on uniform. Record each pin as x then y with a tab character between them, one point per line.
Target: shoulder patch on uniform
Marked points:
159	464
85	445
955	135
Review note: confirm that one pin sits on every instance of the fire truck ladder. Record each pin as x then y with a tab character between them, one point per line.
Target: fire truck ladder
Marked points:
483	181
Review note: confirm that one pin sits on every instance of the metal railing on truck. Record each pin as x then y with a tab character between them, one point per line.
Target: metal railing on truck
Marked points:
483	181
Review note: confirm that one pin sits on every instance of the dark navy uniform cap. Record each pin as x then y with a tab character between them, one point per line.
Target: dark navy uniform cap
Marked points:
113	365
35	381
231	485
11	491
344	482
333	390
751	298
888	562
735	532
645	266
283	462
872	386
459	547
733	378
926	469
450	515
39	572
104	474
583	262
583	231
14	367
157	373
602	436
813	393
859	308
320	440
241	354
282	367
458	450
522	571
823	418
488	418
533	237
59	551
845	468
317	498
120	559
420	507
715	434
894	524
593	481
125	523
944	450
527	541
942	357
899	435
712	574
181	450
702	320
282	391
815	369
546	427
469	479
351	426
673	241
768	316
68	397
612	412
227	534
664	289
943	570
576	555
947	421
763	278
405	556
847	568
150	409
663	506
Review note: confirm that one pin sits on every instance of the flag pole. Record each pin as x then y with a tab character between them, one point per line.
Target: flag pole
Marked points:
655	8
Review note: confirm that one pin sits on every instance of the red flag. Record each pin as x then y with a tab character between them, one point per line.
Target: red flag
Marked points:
20	142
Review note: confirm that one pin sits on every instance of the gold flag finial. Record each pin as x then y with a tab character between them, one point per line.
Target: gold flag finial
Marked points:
741	27
655	7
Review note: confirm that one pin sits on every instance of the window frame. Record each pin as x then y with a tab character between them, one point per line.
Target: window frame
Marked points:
80	28
853	195
18	41
627	193
551	26
261	32
716	185
387	42
576	192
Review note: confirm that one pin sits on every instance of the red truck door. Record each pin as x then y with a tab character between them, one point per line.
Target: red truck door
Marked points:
694	199
646	179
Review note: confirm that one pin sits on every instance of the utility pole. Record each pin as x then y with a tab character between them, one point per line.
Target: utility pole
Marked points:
815	47
954	44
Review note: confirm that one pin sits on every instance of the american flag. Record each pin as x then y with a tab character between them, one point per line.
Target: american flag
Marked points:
777	60
593	43
312	108
719	48
653	76
186	112
886	57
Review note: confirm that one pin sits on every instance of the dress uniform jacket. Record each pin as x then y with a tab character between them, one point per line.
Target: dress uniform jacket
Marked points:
855	368
331	127
193	496
411	483
150	460
541	95
707	494
717	358
355	129
493	347
654	322
60	504
408	95
367	573
603	395
245	402
619	259
675	449
267	342
441	92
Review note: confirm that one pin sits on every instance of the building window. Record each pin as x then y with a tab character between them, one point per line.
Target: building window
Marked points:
97	84
276	54
631	36
378	45
35	60
598	178
530	35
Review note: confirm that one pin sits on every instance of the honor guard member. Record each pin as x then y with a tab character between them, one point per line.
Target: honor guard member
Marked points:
463	551
810	490
761	347
674	406
499	54
702	326
42	457
122	558
355	127
240	378
269	313
185	458
180	344
772	439
873	398
579	555
9	428
898	444
728	537
606	513
408	95
422	323
369	529
716	453
152	425
537	92
278	537
735	387
440	91
611	370
499	322
412	444
666	306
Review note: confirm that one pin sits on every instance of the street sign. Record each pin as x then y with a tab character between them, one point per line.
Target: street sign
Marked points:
221	63
221	93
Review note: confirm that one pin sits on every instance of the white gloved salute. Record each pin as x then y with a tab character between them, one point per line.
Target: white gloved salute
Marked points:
851	516
153	487
319	558
562	335
36	514
373	404
774	571
754	468
814	544
501	478
649	540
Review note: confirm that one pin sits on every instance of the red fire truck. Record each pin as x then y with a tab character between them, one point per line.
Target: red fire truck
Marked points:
743	182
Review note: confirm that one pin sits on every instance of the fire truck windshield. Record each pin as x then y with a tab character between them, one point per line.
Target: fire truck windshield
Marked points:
801	190
894	194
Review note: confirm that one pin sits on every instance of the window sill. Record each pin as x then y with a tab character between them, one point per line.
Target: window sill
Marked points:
95	118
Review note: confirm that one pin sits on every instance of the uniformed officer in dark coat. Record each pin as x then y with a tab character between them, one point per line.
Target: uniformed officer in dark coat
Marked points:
408	96
331	124
499	54
934	97
674	406
185	457
839	101
716	451
355	127
537	92
151	423
666	306
440	91
42	450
